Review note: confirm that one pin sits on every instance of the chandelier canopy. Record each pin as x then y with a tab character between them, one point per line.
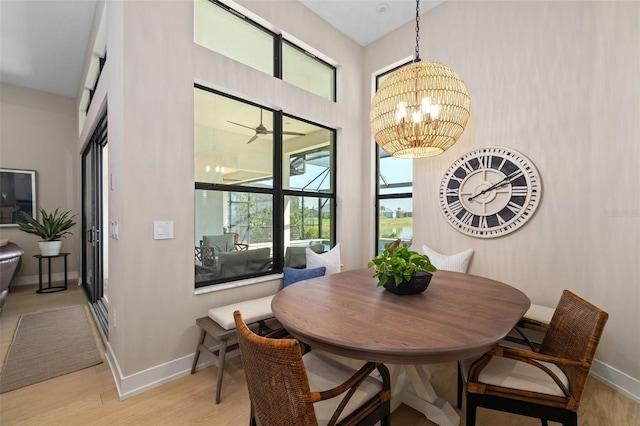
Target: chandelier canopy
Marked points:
421	109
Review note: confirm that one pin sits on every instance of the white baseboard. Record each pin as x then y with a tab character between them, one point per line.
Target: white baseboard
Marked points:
33	279
150	378
621	382
114	367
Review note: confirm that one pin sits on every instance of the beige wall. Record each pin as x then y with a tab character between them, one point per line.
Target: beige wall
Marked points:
38	131
149	81
559	82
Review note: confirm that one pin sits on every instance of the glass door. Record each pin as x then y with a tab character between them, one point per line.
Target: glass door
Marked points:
94	219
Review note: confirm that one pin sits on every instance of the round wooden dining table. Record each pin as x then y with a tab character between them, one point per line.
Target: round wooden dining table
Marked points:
458	316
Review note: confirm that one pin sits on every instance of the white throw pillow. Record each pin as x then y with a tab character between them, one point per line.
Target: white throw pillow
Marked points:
456	262
330	260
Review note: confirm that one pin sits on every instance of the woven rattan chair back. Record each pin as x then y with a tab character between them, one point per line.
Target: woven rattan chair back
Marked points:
276	378
574	333
281	393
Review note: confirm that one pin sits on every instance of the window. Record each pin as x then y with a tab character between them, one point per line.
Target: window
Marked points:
309	221
228	32
221	29
96	64
394	194
308	188
264	183
304	70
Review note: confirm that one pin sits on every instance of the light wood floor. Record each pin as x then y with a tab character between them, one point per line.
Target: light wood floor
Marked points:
89	397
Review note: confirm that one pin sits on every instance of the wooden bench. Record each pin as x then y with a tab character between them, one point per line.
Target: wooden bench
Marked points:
224	334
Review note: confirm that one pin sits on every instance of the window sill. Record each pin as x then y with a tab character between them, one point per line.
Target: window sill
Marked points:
234	284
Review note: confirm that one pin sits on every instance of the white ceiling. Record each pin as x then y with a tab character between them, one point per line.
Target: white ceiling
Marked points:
43	42
365	21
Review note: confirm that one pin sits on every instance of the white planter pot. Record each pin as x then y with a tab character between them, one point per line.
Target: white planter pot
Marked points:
50	248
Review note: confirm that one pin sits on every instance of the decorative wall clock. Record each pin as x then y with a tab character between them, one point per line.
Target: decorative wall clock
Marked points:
490	192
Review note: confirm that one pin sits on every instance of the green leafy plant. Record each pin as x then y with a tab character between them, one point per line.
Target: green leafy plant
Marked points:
399	262
53	226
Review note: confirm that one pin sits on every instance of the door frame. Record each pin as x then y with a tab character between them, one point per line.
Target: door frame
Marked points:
92	220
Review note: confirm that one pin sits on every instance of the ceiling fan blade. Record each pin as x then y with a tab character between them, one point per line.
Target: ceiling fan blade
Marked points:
268	132
252	139
241	125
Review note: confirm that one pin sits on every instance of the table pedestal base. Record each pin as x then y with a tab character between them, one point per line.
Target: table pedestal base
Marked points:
412	386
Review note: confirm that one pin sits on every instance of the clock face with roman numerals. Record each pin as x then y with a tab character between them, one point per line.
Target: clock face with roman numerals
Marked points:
490	192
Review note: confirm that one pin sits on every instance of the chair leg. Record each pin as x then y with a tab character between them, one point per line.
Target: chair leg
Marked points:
460	386
252	419
203	335
523	408
471	412
572	420
385	421
221	357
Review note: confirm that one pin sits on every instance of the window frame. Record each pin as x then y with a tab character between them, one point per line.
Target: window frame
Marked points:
278	42
379	196
289	43
329	194
277	191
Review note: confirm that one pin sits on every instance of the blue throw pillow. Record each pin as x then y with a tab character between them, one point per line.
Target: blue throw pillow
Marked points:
293	275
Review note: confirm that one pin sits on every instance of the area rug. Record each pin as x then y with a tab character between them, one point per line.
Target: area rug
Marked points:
47	345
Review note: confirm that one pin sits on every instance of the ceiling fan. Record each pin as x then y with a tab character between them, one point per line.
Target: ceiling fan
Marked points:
261	130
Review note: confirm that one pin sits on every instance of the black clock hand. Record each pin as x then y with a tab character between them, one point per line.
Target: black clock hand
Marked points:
500	184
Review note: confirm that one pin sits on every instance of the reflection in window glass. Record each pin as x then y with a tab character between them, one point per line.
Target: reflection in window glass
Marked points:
221	31
233	141
307	156
233	235
307	72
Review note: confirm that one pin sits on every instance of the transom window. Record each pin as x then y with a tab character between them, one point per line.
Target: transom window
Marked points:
228	32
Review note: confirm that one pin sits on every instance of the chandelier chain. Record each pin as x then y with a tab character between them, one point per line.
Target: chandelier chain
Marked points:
417	58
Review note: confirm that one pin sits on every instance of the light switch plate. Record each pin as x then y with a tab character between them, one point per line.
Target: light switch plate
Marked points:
162	230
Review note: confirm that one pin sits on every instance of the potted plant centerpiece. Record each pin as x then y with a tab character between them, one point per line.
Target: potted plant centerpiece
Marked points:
401	270
53	227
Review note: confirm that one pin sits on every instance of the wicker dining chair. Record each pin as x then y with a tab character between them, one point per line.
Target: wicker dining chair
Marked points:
280	381
546	383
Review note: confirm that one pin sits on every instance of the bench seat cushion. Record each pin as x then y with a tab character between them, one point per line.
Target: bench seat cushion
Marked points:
252	311
540	313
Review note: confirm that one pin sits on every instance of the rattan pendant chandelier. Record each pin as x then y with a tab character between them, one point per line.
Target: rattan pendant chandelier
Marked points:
421	109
